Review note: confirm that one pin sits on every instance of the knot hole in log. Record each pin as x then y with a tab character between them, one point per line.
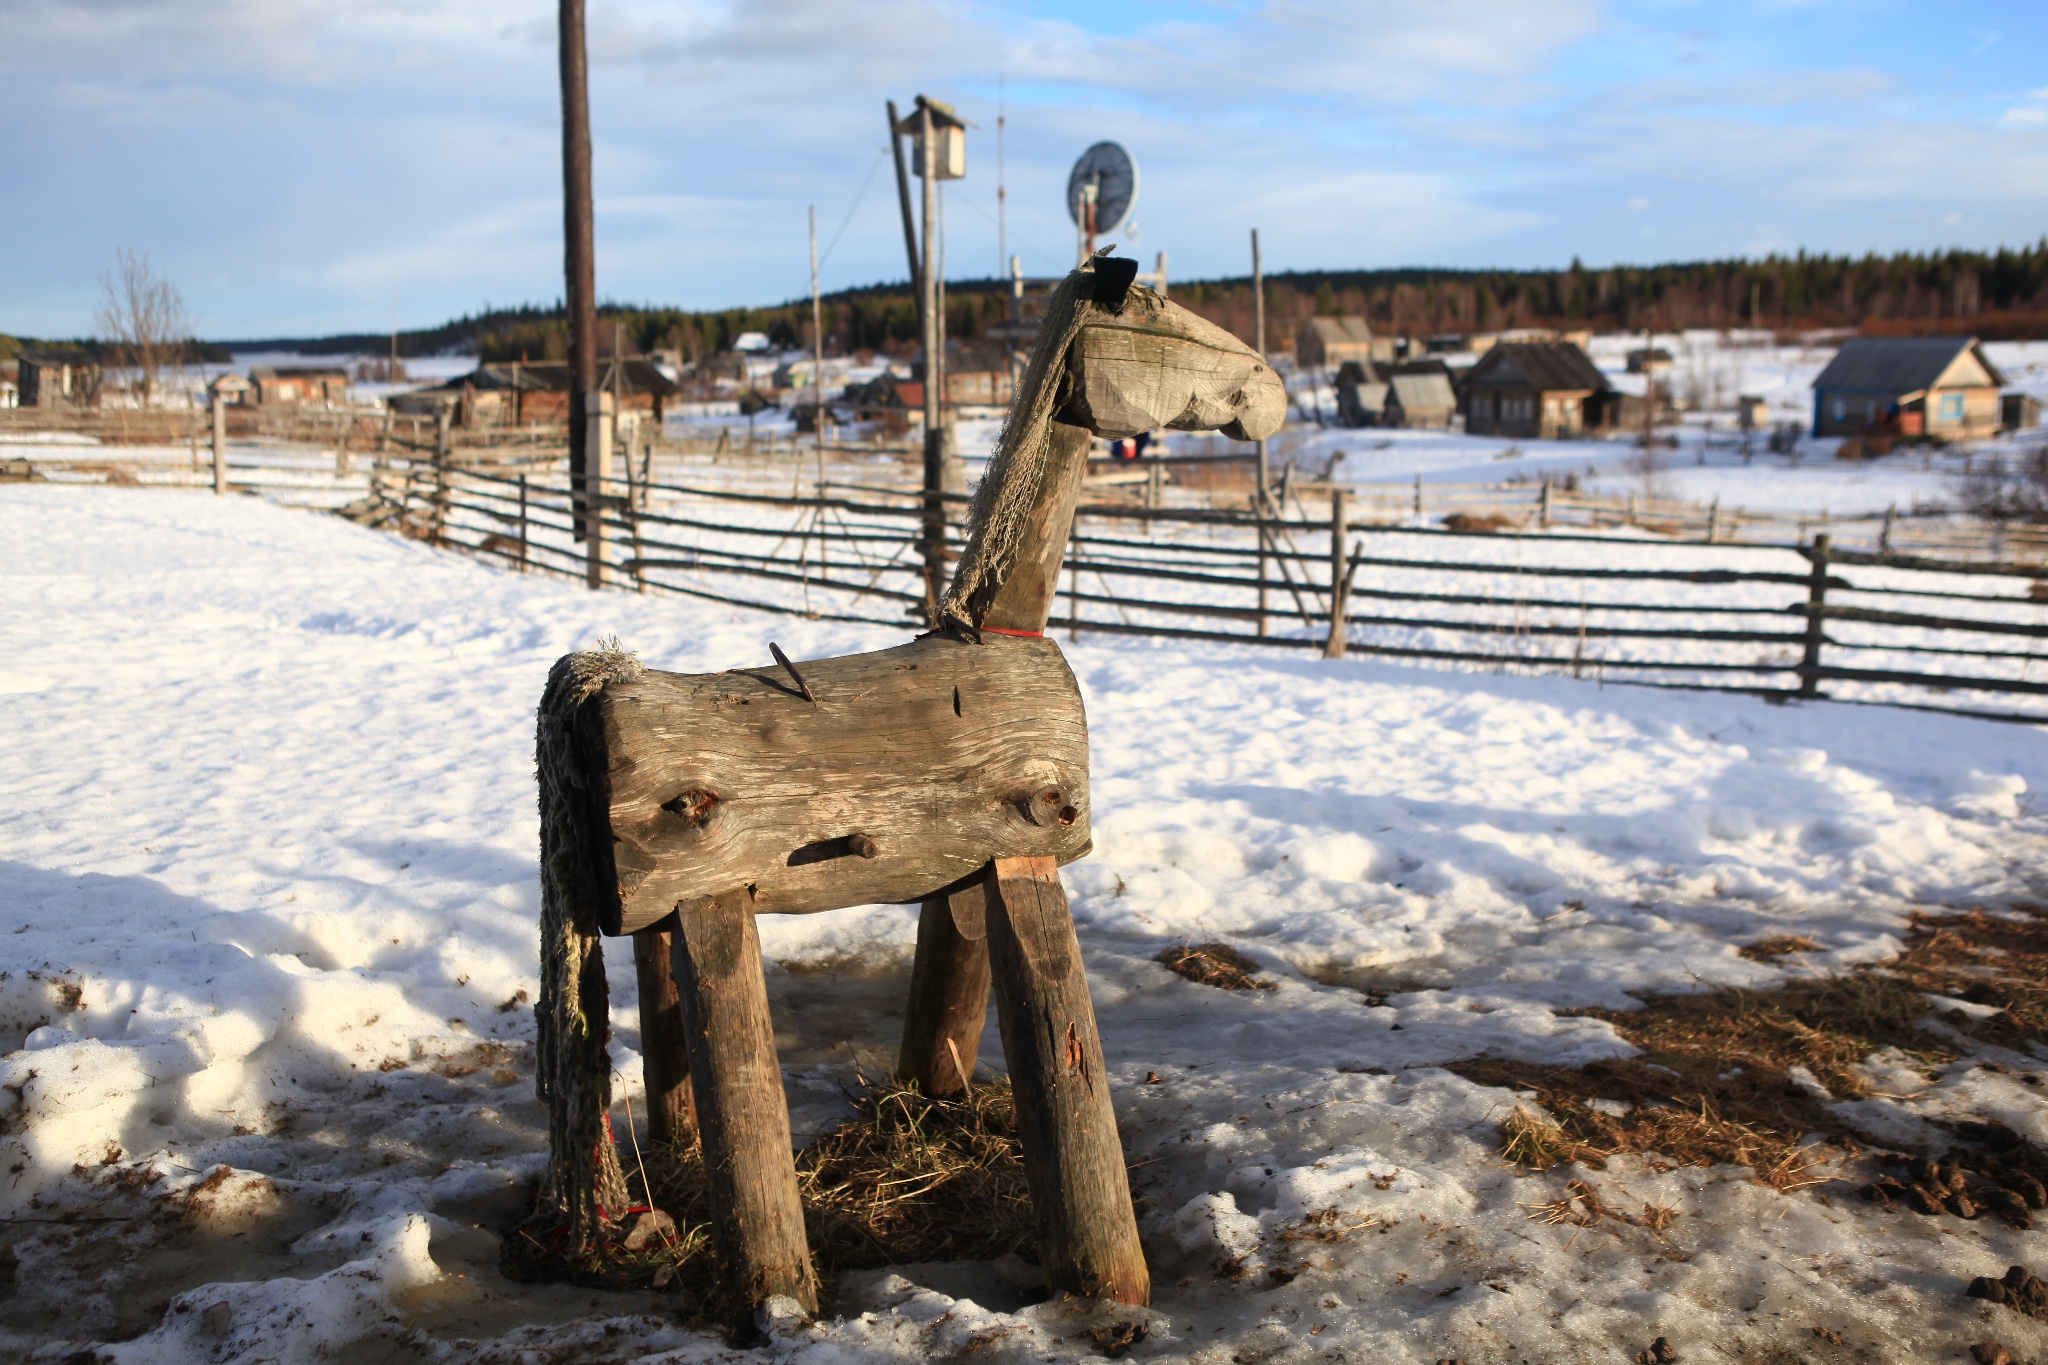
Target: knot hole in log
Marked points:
694	807
1047	806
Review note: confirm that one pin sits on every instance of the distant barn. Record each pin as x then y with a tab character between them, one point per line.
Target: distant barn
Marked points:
291	385
1329	343
516	392
1540	389
1419	397
1932	386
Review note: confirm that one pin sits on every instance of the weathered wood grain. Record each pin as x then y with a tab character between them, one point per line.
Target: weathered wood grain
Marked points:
1087	1230
948	1004
1155	364
664	1043
757	1216
914	767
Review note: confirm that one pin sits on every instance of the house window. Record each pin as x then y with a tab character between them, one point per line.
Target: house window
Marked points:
1951	407
1841	409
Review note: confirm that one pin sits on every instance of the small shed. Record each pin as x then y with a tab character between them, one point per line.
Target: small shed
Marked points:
291	385
2018	412
1649	360
231	389
1933	386
1419	398
1361	394
1541	389
48	379
1327	343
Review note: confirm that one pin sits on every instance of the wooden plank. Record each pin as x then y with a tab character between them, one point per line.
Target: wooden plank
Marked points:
1087	1230
949	984
664	1042
942	753
1154	364
757	1216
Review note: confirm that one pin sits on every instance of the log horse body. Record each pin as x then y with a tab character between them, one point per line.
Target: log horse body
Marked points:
951	771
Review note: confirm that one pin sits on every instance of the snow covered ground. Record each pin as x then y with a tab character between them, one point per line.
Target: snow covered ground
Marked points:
267	891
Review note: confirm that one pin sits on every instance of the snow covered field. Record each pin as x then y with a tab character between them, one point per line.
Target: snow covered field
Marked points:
267	891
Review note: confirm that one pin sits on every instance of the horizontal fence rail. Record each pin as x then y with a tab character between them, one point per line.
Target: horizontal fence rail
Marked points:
1783	621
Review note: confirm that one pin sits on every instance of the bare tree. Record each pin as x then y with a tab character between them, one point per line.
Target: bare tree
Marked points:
142	318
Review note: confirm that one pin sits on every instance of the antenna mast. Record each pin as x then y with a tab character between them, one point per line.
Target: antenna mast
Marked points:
1002	195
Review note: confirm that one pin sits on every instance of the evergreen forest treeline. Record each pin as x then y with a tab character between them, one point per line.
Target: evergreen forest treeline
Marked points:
1999	294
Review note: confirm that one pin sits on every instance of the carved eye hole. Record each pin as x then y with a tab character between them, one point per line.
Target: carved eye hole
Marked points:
1068	815
692	807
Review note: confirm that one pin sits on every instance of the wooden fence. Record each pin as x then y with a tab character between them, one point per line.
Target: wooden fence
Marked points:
1786	621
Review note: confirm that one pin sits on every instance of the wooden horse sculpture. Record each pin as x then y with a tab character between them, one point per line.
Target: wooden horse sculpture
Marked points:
951	771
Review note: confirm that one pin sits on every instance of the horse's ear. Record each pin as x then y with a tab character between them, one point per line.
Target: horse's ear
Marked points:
1113	277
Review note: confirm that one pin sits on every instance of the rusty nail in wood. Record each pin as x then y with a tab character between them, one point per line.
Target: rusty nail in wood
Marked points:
783	659
861	844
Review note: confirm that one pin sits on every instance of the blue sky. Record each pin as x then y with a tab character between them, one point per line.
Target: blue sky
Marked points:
288	162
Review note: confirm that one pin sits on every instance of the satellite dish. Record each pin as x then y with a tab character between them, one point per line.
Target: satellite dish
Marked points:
1114	175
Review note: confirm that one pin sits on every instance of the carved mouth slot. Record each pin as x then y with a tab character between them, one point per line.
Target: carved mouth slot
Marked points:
825	850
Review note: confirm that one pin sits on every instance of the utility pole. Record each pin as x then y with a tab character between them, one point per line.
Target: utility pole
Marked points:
1002	194
1264	474
391	374
903	199
579	261
934	343
817	355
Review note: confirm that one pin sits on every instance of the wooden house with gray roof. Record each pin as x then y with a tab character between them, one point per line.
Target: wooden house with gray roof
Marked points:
1916	386
1543	390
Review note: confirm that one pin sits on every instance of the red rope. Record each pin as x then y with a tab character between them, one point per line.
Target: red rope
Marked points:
1025	634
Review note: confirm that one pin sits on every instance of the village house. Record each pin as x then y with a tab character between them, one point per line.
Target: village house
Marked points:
1361	394
517	392
1649	360
1420	396
1539	389
1916	386
1331	343
232	390
289	386
49	380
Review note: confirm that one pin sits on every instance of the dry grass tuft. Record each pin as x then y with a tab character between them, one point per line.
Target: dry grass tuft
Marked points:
1777	946
1737	1077
1479	521
910	1179
1214	964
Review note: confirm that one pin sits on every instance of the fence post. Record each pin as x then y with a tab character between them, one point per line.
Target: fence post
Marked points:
1543	505
220	444
1418	493
443	445
1816	619
597	467
1340	585
1884	537
523	556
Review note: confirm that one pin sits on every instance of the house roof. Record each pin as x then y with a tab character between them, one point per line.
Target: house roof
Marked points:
1339	331
1416	392
552	376
298	372
1540	365
1899	365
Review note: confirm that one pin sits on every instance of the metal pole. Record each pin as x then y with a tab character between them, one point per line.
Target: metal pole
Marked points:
934	421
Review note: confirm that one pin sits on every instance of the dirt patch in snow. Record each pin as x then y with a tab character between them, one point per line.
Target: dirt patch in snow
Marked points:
1748	1077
